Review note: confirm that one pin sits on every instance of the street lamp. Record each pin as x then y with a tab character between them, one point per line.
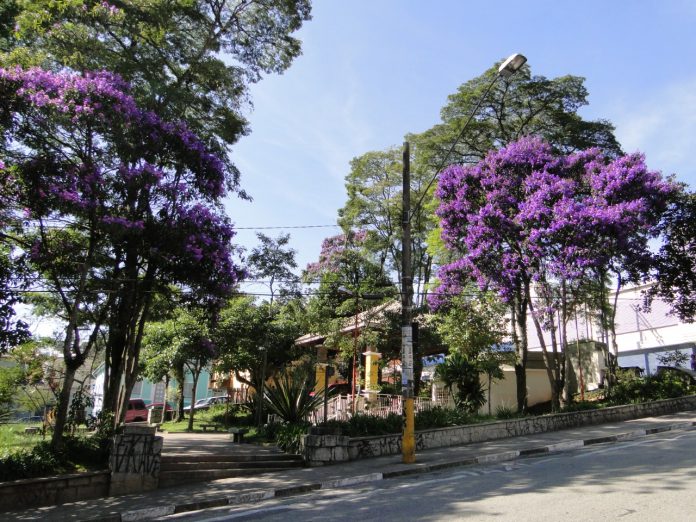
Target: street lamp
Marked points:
408	442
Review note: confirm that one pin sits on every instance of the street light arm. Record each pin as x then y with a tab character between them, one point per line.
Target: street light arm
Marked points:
417	206
506	69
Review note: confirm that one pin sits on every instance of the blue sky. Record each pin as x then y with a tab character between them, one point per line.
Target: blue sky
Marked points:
374	70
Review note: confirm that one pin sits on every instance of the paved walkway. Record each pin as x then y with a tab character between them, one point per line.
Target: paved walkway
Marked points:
284	483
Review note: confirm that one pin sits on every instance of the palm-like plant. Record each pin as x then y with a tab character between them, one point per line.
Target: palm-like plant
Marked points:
289	395
460	371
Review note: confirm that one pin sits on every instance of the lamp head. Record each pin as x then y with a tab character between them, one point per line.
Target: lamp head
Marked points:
511	65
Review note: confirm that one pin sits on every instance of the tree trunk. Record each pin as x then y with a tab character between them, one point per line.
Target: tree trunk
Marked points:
195	373
549	365
61	417
179	376
520	340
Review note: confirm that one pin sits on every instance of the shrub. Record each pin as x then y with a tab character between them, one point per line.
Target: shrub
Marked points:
37	462
361	425
582	406
289	396
505	412
235	415
440	417
288	436
460	373
665	385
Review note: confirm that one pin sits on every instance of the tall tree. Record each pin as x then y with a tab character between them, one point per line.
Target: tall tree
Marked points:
114	205
273	263
517	106
245	330
535	225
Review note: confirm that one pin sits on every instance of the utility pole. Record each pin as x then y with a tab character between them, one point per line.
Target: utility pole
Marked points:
408	442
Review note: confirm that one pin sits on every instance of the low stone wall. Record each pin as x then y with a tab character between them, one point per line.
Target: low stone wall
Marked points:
53	490
134	468
328	449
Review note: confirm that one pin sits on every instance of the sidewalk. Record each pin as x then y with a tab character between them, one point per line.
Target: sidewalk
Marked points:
240	490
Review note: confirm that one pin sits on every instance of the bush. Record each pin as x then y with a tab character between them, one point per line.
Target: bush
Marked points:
367	425
582	406
664	385
440	417
40	461
361	425
289	435
236	415
505	412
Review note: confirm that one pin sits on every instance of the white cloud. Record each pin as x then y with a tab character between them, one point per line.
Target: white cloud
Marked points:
664	127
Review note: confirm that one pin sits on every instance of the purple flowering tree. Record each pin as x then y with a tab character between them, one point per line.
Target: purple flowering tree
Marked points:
110	205
536	227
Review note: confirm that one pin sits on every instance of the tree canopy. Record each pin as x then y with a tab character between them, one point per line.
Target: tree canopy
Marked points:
190	60
520	105
110	204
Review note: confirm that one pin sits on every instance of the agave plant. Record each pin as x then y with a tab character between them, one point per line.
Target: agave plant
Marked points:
289	395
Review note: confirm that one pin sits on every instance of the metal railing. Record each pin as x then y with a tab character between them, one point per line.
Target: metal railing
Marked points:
341	407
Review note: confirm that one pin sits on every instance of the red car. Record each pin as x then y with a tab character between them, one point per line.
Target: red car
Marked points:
137	411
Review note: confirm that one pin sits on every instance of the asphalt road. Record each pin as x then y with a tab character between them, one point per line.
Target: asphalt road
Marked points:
652	479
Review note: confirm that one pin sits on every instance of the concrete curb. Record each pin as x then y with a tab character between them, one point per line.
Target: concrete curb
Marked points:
250	497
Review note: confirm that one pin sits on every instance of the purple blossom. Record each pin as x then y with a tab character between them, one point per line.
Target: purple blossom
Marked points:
525	214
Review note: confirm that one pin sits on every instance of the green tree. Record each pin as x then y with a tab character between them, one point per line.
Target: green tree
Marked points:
178	345
374	188
245	330
272	262
474	324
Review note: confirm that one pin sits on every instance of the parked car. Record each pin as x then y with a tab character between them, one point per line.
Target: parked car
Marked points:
155	409
137	411
33	419
204	404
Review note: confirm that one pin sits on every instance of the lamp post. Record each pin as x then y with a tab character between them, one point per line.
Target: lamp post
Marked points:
408	442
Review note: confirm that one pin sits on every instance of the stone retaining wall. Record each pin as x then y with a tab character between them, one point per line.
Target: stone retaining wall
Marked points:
328	449
134	468
53	490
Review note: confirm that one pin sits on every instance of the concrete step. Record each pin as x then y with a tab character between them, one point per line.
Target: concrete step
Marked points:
179	477
202	459
253	464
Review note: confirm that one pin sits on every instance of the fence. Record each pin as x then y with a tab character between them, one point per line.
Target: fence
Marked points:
343	407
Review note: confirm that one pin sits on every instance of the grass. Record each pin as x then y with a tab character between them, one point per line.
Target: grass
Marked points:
219	414
13	438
